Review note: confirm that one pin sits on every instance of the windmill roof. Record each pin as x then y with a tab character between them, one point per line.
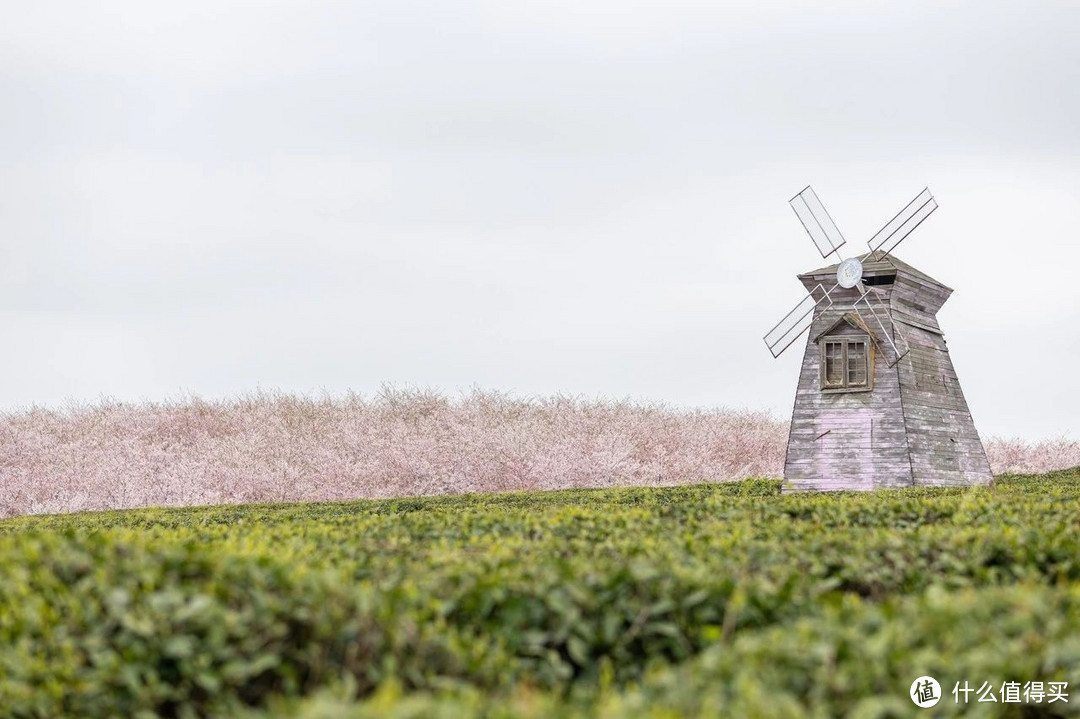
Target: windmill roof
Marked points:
849	317
875	263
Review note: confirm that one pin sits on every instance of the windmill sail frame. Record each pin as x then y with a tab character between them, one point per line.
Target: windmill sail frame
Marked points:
805	318
903	224
897	354
817	222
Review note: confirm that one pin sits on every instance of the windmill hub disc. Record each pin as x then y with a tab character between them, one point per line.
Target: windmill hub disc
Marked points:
849	273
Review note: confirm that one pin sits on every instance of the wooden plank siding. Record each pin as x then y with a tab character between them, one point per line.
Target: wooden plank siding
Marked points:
944	445
913	428
848	440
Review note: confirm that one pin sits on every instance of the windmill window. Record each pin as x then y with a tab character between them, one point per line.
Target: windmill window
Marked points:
846	364
878	280
856	364
834	358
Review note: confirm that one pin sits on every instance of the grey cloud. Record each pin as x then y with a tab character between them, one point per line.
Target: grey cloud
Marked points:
535	197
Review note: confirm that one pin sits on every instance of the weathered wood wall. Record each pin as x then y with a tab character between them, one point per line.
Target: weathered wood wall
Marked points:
848	440
944	445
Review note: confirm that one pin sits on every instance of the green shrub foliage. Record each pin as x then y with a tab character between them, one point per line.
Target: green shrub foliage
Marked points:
725	599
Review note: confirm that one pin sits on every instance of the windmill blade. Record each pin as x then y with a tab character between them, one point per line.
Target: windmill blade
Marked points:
904	346
817	222
798	321
899	227
897	354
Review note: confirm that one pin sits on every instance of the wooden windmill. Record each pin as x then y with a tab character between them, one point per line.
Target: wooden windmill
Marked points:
879	404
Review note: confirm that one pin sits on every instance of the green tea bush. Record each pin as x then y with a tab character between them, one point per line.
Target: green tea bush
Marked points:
690	600
94	626
852	659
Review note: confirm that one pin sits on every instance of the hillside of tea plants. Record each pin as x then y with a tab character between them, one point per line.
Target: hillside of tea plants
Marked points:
702	600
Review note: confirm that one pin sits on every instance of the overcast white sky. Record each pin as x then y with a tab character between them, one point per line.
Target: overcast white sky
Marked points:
569	196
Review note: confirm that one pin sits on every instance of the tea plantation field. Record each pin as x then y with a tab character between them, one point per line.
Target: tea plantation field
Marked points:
705	600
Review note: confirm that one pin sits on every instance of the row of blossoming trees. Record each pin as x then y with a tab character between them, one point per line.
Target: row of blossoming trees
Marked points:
271	447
